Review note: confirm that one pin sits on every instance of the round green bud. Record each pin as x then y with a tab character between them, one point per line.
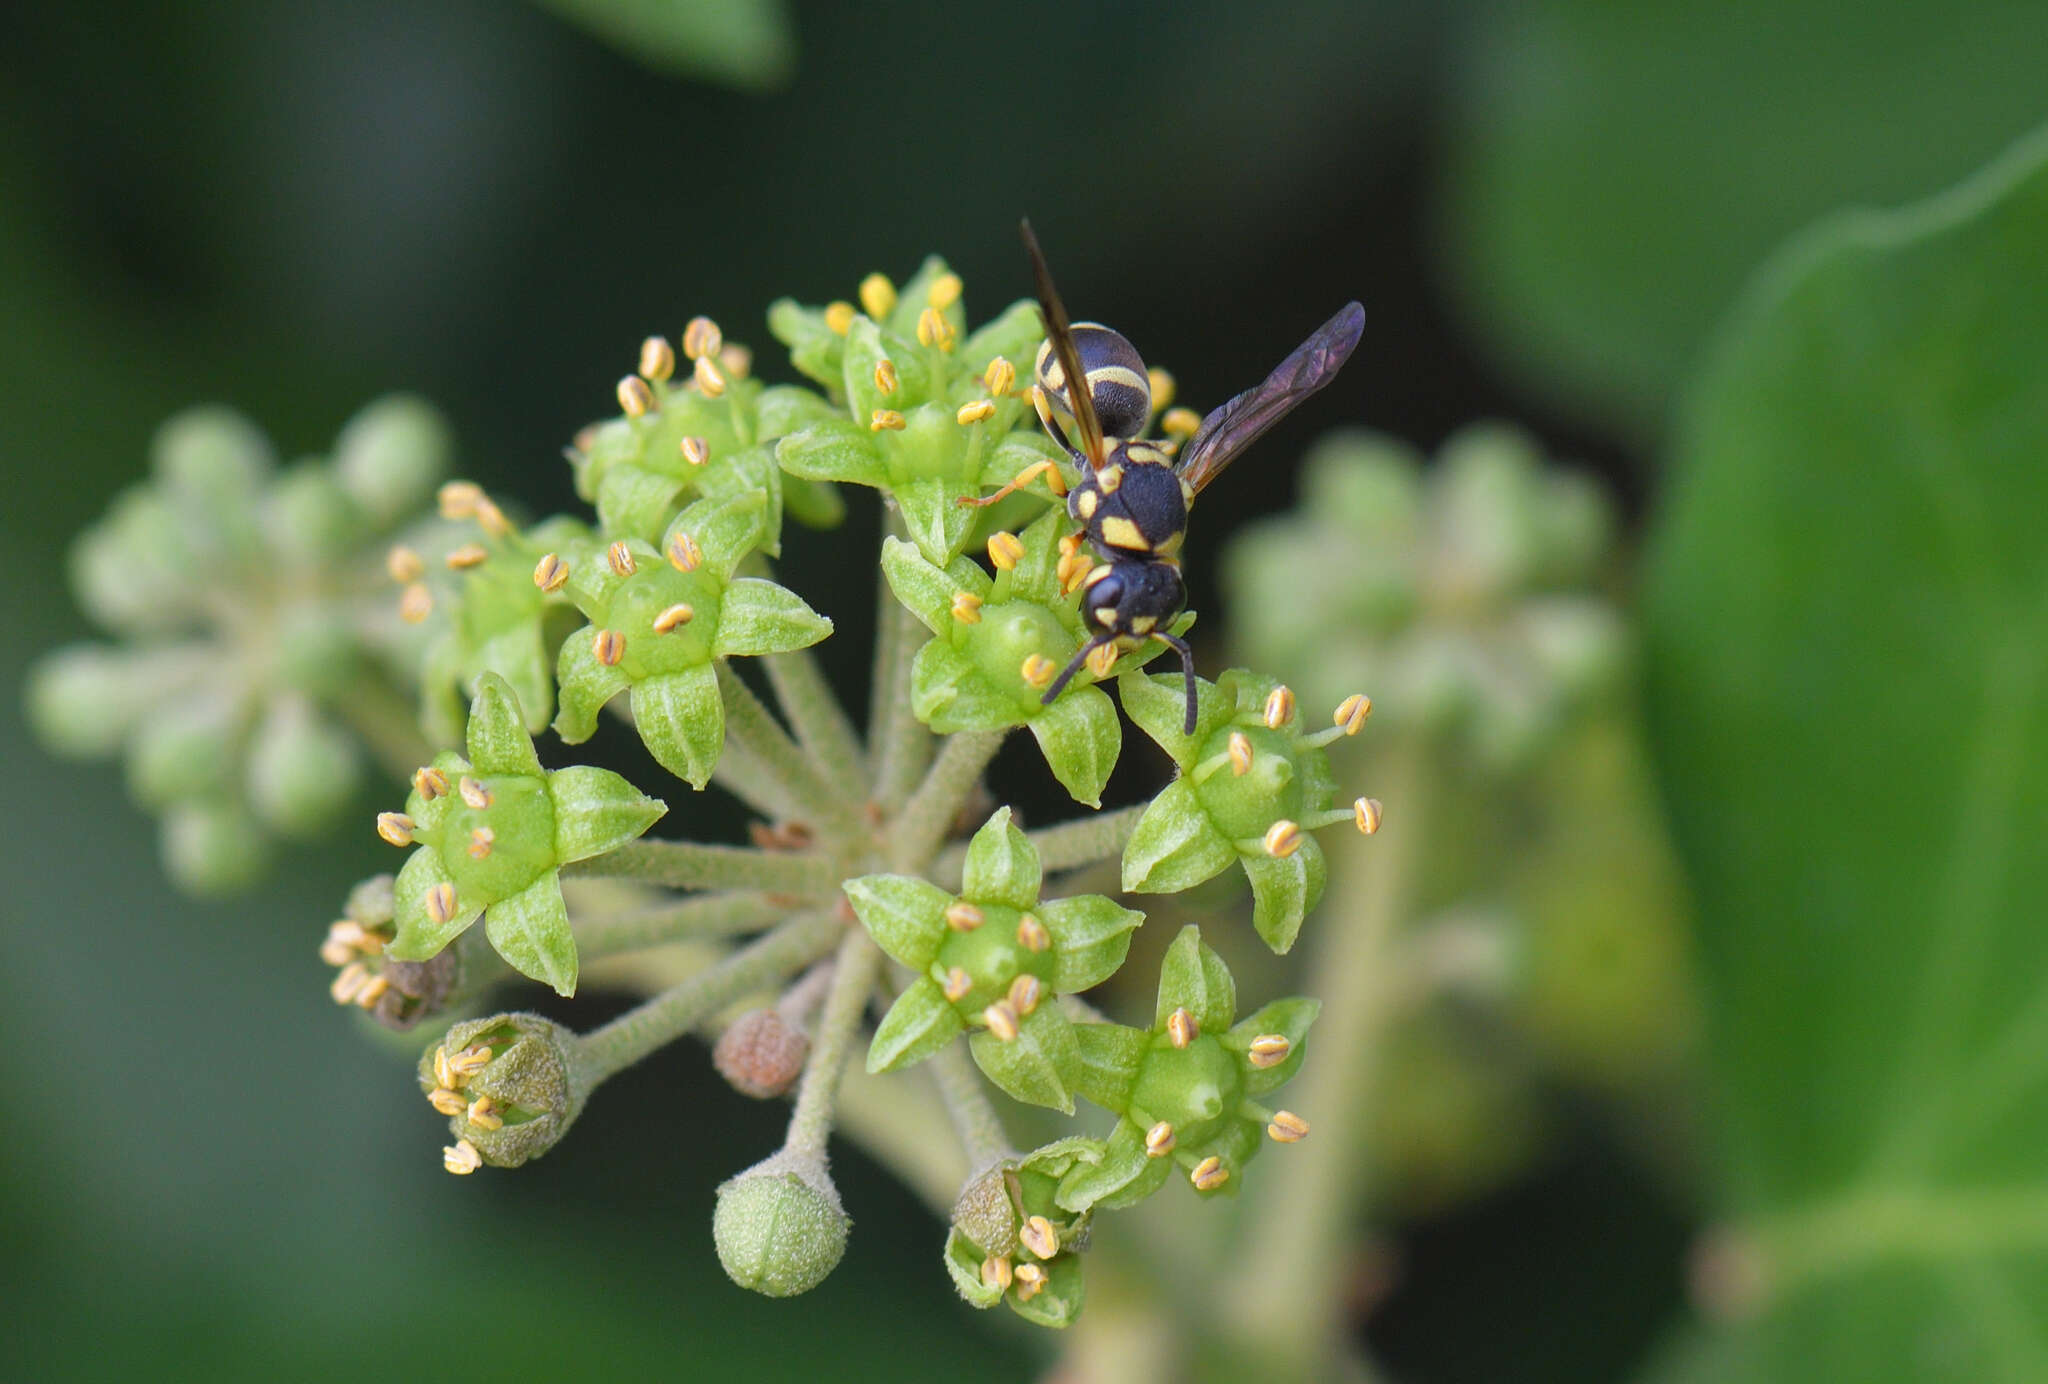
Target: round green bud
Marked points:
189	748
83	700
523	1099
212	846
779	1226
314	650
303	770
309	519
1490	508
211	453
1578	643
392	454
138	566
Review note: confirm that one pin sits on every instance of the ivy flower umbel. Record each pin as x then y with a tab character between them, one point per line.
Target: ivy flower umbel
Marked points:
990	961
493	831
1251	787
660	622
1011	1241
1184	1090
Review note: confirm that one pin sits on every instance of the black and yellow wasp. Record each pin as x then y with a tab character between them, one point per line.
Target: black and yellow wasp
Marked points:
1132	496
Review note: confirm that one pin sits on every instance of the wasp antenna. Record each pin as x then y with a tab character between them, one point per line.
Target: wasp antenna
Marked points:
1074	665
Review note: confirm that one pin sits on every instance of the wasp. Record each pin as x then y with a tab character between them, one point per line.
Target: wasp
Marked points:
1132	496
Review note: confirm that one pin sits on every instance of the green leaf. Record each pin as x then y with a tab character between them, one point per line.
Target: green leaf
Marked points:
531	931
906	916
1090	938
1284	890
497	738
682	722
586	686
1125	1176
1002	866
597	811
1031	1066
1621	168
1080	737
1848	638
1193	977
1175	846
921	1022
419	937
1106	1061
759	617
1290	1018
742	43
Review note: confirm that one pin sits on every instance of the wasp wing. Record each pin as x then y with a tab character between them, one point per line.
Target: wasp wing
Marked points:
1237	424
1057	329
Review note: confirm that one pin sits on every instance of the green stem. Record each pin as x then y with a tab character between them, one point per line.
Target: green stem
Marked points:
899	743
852	979
967	1105
668	1016
388	722
704	915
927	818
901	1128
741	773
833	806
820	722
694	865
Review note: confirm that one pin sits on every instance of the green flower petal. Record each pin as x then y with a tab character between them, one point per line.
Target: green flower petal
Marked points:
1193	977
838	450
597	811
949	693
1090	938
759	617
906	916
1106	1062
1030	1066
926	590
497	736
682	722
1002	866
1284	890
419	937
1081	738
531	931
920	1023
586	686
1125	1176
1157	705
1175	846
1289	1018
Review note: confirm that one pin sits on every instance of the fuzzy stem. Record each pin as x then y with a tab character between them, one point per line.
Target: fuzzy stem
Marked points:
967	1105
681	1008
899	743
926	819
820	722
694	865
741	773
704	915
834	806
1067	846
894	1118
853	977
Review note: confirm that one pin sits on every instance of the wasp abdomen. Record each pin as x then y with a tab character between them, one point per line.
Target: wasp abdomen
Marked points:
1117	382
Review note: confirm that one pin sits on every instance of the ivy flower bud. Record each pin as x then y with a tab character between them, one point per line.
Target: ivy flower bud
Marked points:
760	1054
516	1078
1011	1241
779	1226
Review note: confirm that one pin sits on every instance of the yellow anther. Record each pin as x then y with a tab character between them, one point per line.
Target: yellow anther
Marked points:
395	827
444	1070
1282	839
491	519
974	412
1025	992
404	564
877	296
1180	424
696	451
474	793
550	573
1209	1174
1161	385
459	499
1073	569
1000	377
619	558
470	1061
1031	934
336	952
1279	707
448	1102
944	292
885	375
1070	543
962	916
481	840
1367	812
839	317
1031	1282
885	420
429	782
710	379
657	359
354	935
1240	753
702	338
934	330
608	647
995	1272
636	398
1269	1050
1039	1237
483	1113
1101	659
415	604
367	997
958	983
677	615
1001	1019
346	986
967	607
1159	1140
1005	550
441	901
683	552
1036	669
1351	712
461	1158
1287	1127
1181	1028
467	556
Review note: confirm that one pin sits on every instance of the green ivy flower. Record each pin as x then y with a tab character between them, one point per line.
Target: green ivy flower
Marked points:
509	1086
1184	1091
1011	1241
990	960
660	621
493	832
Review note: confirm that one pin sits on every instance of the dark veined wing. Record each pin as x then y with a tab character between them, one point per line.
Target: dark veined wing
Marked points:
1237	424
1079	401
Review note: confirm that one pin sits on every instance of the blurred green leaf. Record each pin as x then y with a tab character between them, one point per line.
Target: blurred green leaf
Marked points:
1848	619
742	43
1618	169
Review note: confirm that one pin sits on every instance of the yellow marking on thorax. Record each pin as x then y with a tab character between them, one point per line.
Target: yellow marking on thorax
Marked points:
1109	478
1086	503
1119	532
1144	454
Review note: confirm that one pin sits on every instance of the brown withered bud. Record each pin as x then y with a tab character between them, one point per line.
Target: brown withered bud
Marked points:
760	1054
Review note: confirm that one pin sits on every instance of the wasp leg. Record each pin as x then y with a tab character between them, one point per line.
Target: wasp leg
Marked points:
1059	684
1055	482
1187	667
